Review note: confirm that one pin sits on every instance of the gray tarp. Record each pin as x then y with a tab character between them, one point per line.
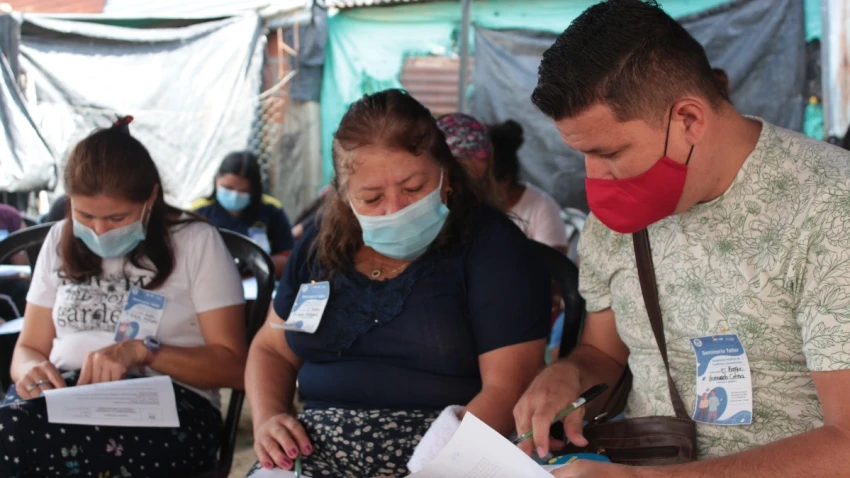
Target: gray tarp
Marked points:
192	90
26	162
760	44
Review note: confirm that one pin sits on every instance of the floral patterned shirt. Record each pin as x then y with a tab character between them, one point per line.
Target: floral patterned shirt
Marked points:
769	260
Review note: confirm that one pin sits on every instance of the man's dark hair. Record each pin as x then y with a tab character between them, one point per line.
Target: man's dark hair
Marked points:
628	54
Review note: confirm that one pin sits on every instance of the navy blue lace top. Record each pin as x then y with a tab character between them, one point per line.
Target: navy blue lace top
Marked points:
414	341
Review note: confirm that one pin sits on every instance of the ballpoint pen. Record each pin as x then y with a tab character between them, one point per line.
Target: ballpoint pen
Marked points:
298	466
585	397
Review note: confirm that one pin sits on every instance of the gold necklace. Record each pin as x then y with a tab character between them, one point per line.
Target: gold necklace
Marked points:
377	272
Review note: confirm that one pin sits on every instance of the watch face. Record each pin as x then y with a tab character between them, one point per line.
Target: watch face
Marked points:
152	342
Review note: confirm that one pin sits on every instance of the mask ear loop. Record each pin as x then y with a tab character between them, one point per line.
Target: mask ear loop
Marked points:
667	139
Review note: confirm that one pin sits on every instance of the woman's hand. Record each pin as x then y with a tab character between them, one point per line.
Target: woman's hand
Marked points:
41	376
279	440
113	362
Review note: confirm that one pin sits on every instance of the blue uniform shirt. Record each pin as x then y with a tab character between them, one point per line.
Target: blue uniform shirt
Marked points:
271	218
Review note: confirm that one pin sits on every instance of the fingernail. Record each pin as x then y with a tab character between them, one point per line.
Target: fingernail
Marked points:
308	449
541	452
286	463
293	452
268	465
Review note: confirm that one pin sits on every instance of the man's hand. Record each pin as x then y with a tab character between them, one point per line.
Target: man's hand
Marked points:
550	393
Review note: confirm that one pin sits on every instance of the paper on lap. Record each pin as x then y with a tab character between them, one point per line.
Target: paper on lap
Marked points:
475	451
140	402
274	473
478	451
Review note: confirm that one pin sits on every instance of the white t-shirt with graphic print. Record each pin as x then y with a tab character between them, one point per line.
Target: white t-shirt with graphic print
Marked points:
85	315
769	260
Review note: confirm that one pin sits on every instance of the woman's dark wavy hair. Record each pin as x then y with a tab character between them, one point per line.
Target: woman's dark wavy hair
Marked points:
396	121
245	165
111	162
507	138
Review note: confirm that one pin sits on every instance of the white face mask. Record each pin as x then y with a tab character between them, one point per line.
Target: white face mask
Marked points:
115	243
406	234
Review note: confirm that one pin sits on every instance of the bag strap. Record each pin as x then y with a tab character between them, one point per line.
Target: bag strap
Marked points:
649	287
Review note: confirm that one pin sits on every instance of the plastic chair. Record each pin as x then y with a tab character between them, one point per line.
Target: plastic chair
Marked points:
247	253
28	240
574	220
565	274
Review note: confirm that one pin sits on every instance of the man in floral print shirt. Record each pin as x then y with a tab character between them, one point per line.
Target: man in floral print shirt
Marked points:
750	232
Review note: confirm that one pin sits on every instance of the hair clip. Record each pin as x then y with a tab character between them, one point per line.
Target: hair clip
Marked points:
123	123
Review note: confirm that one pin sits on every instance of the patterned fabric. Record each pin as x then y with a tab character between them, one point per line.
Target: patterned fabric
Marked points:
32	447
466	137
362	443
769	260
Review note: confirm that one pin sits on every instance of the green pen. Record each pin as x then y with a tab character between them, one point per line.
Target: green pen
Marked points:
585	397
298	466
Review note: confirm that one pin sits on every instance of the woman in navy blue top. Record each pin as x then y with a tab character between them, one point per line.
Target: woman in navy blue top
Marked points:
239	205
435	300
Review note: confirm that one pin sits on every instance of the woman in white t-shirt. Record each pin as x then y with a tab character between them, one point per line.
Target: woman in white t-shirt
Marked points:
121	242
534	211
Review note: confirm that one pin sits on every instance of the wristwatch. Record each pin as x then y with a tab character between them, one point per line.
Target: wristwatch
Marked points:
153	345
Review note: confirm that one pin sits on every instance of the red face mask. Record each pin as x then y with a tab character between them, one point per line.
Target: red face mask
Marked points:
629	205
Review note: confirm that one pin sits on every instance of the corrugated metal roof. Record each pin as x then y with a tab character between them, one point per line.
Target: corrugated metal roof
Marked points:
166	8
433	81
366	3
56	6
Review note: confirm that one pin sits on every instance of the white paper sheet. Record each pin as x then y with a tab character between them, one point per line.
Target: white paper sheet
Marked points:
14	326
9	270
140	402
478	451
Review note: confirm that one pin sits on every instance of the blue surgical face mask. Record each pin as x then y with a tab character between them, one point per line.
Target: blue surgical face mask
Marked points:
232	201
115	243
406	234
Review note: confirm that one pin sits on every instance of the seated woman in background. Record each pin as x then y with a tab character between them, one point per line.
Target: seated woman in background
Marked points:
239	205
469	143
120	238
435	300
534	211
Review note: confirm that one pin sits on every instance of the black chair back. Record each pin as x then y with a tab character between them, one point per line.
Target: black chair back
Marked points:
565	274
27	240
252	257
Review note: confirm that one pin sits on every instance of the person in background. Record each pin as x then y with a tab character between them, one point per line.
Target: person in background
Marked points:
239	205
10	220
534	211
470	144
437	307
121	238
748	227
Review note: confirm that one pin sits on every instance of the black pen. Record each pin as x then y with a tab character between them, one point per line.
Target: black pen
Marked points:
585	397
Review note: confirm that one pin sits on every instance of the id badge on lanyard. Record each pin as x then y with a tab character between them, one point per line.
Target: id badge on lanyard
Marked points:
724	390
141	316
308	308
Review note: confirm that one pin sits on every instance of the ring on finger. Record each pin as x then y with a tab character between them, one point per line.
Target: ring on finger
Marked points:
37	384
